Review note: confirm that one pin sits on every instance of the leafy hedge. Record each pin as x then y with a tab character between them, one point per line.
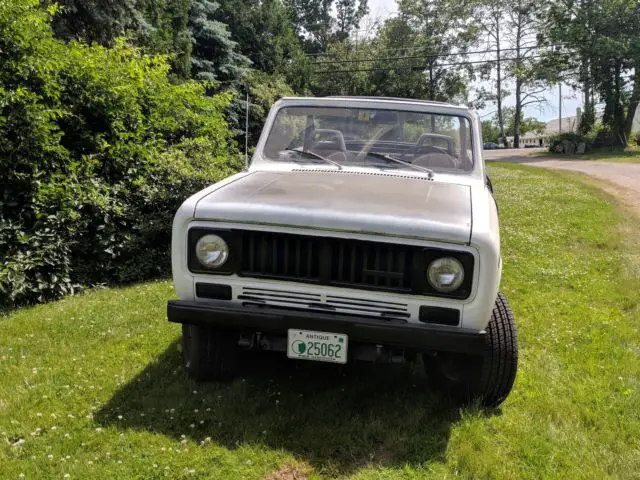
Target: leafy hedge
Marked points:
97	150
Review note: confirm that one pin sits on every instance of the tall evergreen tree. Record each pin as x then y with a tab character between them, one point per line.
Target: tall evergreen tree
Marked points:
163	27
264	32
214	55
94	20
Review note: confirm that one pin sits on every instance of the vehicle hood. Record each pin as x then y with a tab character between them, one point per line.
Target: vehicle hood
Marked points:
380	203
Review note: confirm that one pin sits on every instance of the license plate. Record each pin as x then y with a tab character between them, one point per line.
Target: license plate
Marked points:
318	346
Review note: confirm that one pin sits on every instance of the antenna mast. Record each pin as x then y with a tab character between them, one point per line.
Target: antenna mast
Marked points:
246	131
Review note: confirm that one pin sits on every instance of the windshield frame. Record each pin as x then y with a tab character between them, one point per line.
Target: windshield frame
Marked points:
260	160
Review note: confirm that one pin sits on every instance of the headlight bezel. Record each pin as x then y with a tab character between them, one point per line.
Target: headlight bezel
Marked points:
228	267
223	248
466	259
454	265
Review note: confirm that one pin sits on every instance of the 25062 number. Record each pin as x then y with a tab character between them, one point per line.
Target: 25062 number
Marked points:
317	349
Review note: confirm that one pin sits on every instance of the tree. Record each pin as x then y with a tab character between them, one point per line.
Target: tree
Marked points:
526	125
162	27
349	14
490	133
491	15
98	21
214	55
600	54
524	22
442	30
318	27
264	33
410	56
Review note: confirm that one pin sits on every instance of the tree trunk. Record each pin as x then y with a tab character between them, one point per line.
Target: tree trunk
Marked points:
499	83
619	119
518	113
633	103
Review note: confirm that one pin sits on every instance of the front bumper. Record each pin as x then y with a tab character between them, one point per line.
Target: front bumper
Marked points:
388	332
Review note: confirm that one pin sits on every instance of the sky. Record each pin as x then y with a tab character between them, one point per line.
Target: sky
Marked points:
382	9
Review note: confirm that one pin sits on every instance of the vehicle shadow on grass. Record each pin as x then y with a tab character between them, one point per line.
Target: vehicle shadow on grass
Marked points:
339	419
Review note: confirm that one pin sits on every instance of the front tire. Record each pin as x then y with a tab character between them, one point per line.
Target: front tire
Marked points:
209	354
488	377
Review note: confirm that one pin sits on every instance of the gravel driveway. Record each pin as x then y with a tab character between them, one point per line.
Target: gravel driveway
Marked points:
619	179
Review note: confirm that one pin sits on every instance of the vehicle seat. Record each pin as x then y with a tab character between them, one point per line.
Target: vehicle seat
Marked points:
436	160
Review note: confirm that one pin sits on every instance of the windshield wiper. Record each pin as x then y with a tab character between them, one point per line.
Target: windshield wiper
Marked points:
315	156
402	162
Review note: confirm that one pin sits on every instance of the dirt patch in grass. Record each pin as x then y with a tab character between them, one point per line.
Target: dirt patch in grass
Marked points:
287	472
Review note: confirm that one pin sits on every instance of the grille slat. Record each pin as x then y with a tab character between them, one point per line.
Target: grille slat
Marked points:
350	263
297	257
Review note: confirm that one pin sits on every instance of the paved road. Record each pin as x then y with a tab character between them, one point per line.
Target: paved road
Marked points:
515	155
620	179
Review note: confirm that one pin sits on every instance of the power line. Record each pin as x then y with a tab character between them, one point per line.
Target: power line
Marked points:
408	47
438	55
387	69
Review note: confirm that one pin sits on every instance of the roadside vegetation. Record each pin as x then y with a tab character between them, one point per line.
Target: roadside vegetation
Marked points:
91	386
628	155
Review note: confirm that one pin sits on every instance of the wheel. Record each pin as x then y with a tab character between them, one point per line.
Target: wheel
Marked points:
209	354
488	377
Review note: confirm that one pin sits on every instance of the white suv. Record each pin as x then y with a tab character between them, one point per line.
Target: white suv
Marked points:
363	228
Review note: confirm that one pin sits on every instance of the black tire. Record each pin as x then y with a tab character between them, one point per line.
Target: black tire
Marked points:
209	354
487	378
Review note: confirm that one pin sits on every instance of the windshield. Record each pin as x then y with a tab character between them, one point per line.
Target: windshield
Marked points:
377	138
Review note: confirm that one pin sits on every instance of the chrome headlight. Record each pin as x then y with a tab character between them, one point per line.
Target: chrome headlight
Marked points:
445	274
212	251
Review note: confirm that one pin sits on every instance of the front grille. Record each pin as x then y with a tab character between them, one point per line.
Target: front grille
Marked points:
280	256
327	261
344	305
369	264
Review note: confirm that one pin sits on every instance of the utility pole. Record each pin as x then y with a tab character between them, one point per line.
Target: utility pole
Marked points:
560	107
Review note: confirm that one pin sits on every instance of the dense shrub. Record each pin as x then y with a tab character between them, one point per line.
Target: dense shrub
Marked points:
604	137
97	150
568	142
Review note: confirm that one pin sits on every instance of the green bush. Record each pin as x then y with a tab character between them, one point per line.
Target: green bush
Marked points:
558	143
97	150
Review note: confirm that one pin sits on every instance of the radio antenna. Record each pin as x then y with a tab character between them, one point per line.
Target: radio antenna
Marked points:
246	131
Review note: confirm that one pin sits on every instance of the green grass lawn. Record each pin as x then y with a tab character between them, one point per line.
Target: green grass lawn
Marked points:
91	386
630	155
